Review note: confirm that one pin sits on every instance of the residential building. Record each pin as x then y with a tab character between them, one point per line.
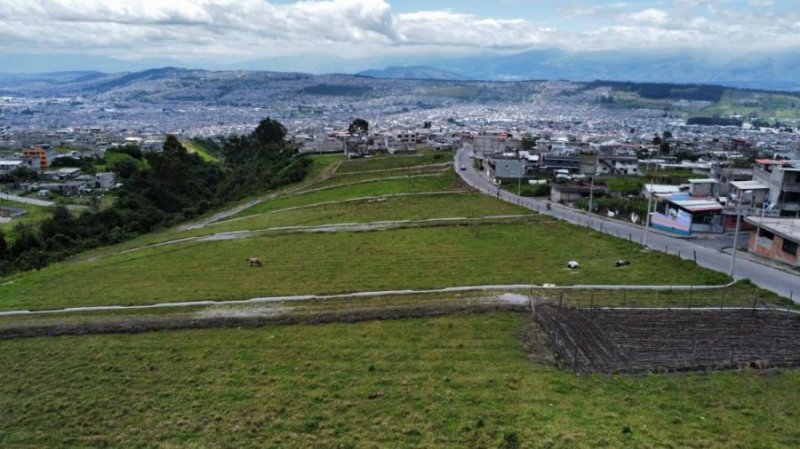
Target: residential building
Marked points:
45	156
776	239
783	179
684	215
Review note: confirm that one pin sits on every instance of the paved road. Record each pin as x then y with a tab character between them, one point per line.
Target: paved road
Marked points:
775	280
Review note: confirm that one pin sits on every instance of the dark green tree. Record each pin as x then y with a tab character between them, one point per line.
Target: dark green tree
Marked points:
359	127
3	246
269	131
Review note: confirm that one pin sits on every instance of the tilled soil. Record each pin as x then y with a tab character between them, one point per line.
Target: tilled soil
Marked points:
641	341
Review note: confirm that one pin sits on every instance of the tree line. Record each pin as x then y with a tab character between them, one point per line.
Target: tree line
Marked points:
160	189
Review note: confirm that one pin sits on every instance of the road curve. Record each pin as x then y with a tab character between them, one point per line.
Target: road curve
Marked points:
778	281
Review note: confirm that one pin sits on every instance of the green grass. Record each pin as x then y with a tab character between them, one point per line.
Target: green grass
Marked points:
670	175
767	106
198	149
345	262
384	209
625	184
394	162
741	294
35	214
444	182
457	381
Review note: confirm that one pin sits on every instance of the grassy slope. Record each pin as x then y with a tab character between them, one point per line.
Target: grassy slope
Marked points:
393	162
35	214
767	106
458	381
344	262
443	182
371	210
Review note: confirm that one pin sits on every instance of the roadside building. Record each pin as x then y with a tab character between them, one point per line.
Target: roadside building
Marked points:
571	192
776	239
683	214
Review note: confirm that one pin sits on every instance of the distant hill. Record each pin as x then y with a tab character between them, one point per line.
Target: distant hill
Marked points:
414	73
768	70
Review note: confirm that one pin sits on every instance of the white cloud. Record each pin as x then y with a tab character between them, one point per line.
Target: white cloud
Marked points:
256	28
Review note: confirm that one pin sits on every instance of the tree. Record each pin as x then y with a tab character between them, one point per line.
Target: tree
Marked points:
656	140
664	148
269	131
529	143
359	127
666	135
3	245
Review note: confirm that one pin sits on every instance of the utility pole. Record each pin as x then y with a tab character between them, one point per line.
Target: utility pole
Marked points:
647	218
591	197
736	231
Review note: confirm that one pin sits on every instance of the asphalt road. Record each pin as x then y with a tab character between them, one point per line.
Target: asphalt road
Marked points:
765	276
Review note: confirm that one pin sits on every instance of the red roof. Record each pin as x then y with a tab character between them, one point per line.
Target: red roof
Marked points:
770	162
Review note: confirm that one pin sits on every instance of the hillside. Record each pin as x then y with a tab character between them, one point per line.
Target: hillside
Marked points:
414	73
439	368
187	94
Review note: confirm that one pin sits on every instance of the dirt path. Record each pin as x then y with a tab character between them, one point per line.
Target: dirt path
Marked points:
367	294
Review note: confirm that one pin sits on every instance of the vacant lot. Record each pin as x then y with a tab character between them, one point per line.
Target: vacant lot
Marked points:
361	189
345	262
458	381
418	207
393	163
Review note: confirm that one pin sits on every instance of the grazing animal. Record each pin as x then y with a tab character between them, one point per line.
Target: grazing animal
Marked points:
254	262
573	264
621	263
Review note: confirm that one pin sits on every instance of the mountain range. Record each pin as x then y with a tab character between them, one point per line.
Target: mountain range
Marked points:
768	70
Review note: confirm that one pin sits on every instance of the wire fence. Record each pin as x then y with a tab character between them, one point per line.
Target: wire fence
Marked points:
723	298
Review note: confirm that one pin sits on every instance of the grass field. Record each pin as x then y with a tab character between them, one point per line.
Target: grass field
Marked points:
346	262
393	162
767	106
35	214
457	381
361	189
445	205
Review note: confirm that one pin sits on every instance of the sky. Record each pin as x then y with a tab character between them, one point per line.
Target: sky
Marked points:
230	30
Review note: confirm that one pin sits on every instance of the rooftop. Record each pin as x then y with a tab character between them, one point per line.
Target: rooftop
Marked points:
694	204
749	185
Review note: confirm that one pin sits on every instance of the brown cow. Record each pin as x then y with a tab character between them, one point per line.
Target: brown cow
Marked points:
254	262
